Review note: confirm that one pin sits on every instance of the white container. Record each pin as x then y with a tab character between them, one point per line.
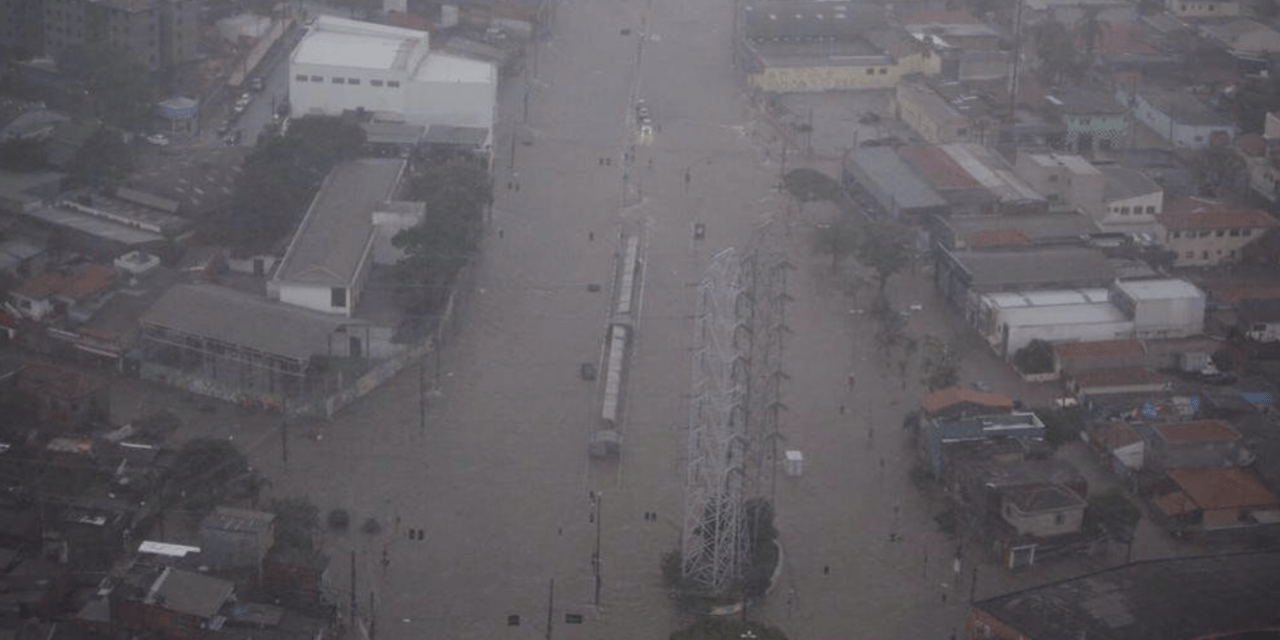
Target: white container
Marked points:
793	464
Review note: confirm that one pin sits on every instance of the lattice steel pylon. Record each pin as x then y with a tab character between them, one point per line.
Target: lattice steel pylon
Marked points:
737	378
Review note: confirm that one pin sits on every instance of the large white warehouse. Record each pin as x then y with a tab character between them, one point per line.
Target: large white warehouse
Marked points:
347	65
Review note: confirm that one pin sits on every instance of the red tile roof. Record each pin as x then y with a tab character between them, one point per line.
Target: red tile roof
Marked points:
942	16
1235	293
1121	38
952	396
91	280
54	381
1100	349
999	238
1228	219
937	168
406	21
1251	144
1175	504
1114	435
1119	376
1192	204
1198	431
1223	488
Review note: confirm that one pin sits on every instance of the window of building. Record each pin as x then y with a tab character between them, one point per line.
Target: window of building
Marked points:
871	72
1053	178
1199	138
1059	518
353	80
1204	255
1189	255
338	297
337	80
1246	232
394	84
1124	211
1219	233
1151	208
884	71
301	77
317	78
1176	234
1235	233
376	83
1204	234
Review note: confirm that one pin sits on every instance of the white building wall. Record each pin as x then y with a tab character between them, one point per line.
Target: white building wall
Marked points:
314	297
1126	212
1022	335
465	104
1181	135
325	96
1130	455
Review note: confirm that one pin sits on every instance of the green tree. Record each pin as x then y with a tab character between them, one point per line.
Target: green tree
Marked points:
1251	101
727	628
1062	424
103	160
22	154
761	534
121	91
457	195
203	470
1056	50
1219	172
279	178
839	239
1036	357
941	363
1111	512
297	521
886	247
1090	29
809	185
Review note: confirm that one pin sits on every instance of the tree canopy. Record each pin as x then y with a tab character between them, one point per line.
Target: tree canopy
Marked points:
839	239
204	470
279	179
456	196
886	247
728	628
1251	101
103	160
1055	48
1219	173
22	154
297	521
808	185
121	91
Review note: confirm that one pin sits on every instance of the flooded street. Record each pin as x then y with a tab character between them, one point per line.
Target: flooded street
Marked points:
497	477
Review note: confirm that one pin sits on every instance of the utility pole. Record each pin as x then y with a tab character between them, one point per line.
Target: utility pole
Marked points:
373	618
422	394
284	431
353	586
551	603
598	499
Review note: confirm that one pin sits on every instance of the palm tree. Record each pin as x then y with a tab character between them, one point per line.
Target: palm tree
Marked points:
1090	29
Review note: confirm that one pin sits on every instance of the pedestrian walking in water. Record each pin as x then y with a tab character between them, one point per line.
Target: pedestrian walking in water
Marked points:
591	235
826	570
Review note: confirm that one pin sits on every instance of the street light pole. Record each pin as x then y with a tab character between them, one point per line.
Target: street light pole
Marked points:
598	499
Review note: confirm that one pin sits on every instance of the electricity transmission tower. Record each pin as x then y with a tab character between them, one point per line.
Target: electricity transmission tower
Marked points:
733	425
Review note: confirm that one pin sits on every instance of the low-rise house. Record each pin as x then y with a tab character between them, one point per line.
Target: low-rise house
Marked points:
53	293
1161	308
1093	120
1196	444
1120	380
985	233
891	184
960	402
1068	182
1178	117
1244	38
1100	354
301	574
1043	511
1204	233
330	256
974	179
34	588
1203	8
1022	430
1131	202
1181	598
1259	320
1217	498
1071	11
964	276
65	398
929	115
953	29
1120	445
237	538
169	603
791	46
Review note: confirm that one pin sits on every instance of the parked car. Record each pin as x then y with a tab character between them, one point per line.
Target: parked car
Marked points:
158	139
